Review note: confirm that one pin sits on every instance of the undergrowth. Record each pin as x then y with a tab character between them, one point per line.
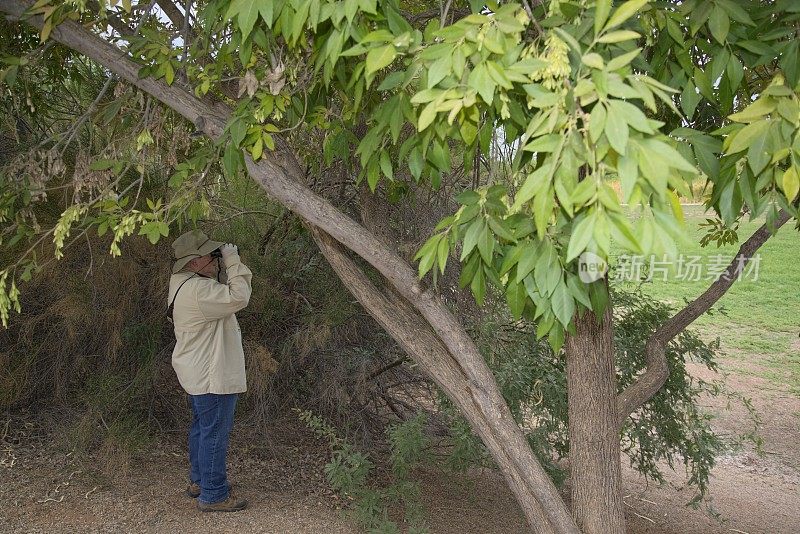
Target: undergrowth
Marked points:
350	472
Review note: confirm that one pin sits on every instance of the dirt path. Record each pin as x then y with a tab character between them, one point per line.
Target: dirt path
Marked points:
44	489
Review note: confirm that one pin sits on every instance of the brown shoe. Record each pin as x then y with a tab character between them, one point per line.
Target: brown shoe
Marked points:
193	490
231	504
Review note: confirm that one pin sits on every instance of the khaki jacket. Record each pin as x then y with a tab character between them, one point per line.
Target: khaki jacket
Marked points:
208	355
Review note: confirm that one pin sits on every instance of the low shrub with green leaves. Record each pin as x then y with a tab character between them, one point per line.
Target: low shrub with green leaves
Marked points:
350	471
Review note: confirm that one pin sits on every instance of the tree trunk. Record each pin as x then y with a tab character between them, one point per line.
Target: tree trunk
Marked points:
594	450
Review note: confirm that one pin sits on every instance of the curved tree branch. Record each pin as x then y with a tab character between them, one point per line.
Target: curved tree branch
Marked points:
415	336
175	16
656	373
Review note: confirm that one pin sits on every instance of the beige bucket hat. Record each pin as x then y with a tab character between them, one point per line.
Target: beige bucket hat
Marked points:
192	245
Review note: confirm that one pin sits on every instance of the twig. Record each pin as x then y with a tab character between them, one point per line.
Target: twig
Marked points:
186	9
5	429
91	256
529	11
637	514
387	367
739	531
445	10
86	495
48	499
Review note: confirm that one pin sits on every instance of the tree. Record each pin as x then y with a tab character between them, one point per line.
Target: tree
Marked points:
579	91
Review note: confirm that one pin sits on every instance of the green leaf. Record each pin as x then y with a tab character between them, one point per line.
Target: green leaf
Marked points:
386	165
534	183
635	118
620	61
555	337
601	11
439	155
512	256
428	254
246	13
415	162
598	294
569	39
257	149
269	142
498	75
756	110
735	72
624	12
266	11
373	174
667	153
707	160
703	83
616	131
563	304
442	251
426	116
480	80
758	154
578	290
547	272
689	100
231	159
790	62
581	236
499	228
471	237
440	69
486	244
742	139
593	60
153	230
478	285
628	173
791	183
597	122
516	298
391	81
469	270
719	23
380	57
542	210
545	143
238	130
527	260
169	73
618	36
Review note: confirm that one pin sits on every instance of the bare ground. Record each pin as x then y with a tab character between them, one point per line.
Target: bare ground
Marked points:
43	488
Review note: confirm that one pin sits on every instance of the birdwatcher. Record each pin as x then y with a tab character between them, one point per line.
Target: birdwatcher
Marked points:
209	284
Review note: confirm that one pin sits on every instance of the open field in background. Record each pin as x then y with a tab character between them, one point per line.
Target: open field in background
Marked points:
758	320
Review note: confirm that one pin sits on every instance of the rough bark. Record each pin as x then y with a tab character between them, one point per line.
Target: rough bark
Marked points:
594	449
465	375
656	373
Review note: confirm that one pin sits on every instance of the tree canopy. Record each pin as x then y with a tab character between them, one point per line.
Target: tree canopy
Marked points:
656	95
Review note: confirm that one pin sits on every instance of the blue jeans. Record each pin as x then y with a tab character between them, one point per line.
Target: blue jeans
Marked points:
212	420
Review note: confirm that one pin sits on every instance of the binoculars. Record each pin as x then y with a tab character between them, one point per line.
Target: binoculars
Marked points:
217	253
